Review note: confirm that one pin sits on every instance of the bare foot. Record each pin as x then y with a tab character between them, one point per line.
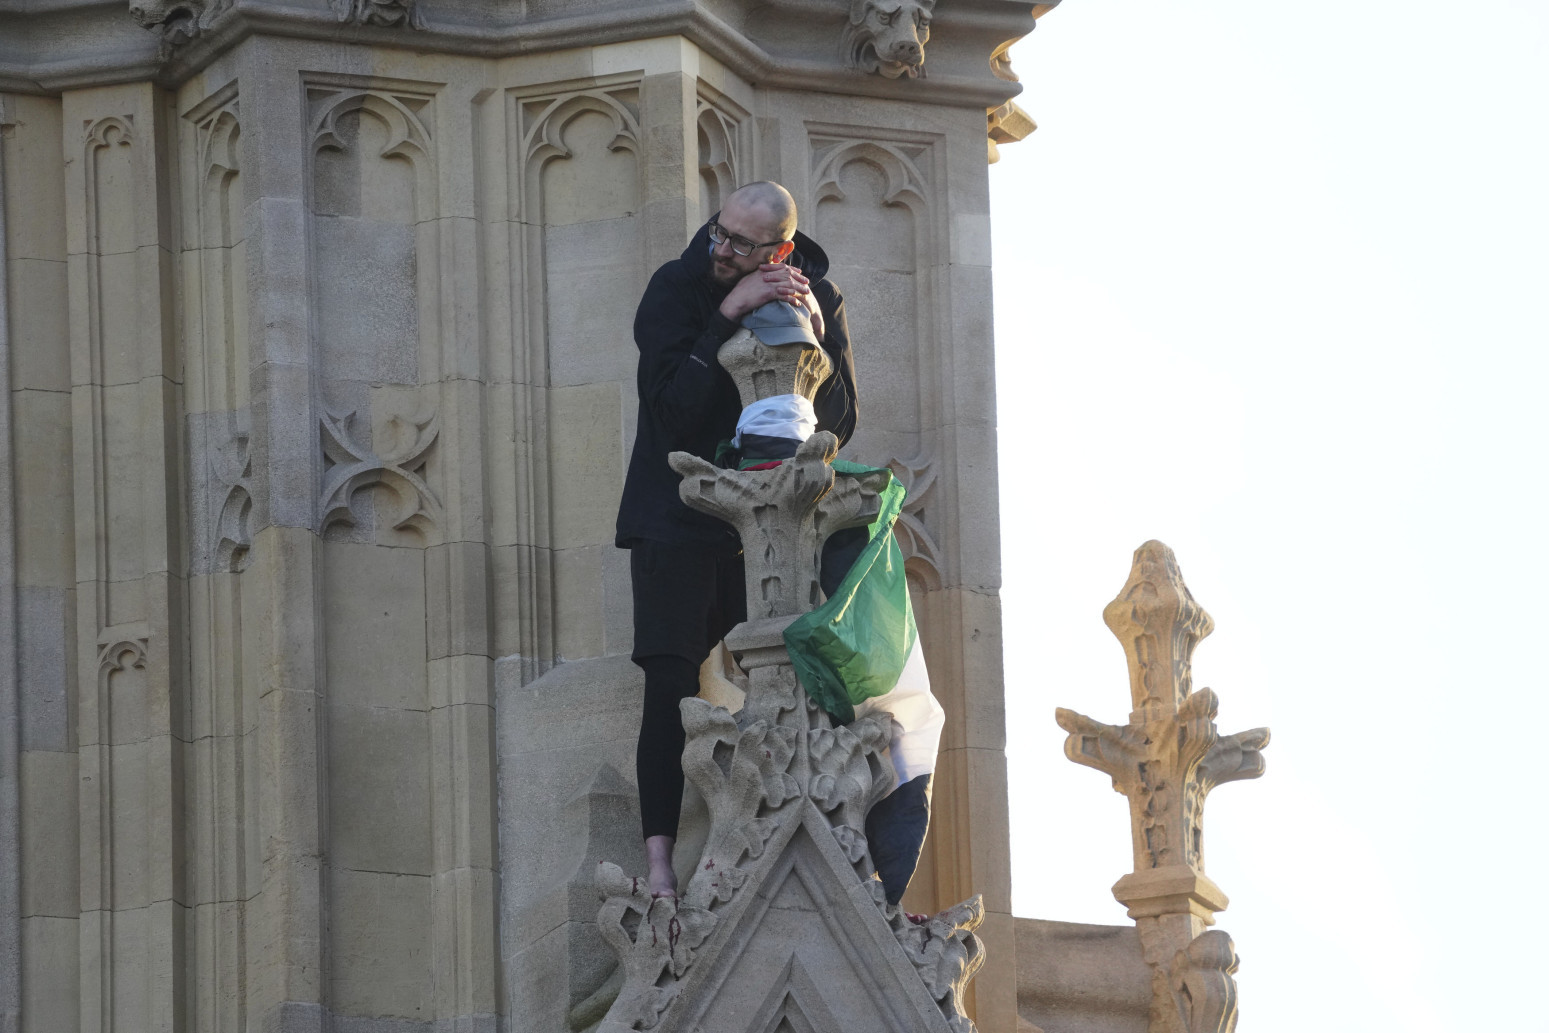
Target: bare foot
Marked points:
662	880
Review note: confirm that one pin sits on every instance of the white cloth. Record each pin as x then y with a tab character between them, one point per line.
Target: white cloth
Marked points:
917	719
781	416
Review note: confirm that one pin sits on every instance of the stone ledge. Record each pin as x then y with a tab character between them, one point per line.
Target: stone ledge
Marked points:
118	50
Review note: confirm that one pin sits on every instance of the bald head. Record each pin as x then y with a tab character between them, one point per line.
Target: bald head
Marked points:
770	202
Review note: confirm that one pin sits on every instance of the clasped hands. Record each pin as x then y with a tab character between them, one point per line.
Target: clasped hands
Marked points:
773	281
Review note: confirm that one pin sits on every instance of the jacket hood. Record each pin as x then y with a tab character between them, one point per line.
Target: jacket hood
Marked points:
808	256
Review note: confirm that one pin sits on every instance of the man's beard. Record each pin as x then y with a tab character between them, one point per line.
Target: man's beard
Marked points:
723	275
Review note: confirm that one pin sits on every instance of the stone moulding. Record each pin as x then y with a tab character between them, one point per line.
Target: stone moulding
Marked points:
179	22
1166	760
190	35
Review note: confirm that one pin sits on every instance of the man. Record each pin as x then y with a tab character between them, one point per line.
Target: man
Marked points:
685	566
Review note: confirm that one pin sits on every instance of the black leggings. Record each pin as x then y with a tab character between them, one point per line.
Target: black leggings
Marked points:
659	754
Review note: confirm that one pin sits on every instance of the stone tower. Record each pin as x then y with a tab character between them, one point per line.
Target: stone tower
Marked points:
318	373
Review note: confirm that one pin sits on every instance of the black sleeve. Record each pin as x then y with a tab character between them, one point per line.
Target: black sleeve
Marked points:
678	370
836	399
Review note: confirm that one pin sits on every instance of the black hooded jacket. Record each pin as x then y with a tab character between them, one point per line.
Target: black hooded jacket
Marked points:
688	403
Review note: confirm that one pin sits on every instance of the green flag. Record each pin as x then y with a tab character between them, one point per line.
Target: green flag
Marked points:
856	644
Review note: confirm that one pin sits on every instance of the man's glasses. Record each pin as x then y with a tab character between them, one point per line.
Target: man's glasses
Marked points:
741	245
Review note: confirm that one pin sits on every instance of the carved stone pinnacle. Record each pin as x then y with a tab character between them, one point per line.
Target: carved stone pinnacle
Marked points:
1158	623
1166	760
763	371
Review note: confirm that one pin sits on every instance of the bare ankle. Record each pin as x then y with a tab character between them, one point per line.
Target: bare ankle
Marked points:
662	879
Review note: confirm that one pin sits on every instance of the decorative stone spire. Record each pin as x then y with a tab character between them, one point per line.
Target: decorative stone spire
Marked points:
1166	760
783	924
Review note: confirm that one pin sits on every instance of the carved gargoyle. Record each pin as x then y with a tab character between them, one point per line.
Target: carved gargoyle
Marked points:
178	21
888	37
386	13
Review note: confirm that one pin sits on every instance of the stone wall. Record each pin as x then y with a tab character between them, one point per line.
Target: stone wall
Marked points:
320	386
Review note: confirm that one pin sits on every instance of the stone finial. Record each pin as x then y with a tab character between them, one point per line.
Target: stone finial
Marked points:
888	37
763	370
1166	760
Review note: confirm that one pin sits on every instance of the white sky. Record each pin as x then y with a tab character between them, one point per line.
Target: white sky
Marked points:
1271	288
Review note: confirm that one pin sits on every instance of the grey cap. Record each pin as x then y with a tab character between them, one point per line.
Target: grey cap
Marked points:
780	322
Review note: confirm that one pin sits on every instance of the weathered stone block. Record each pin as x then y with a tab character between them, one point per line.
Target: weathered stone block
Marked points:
218	992
284	446
374	614
593	286
368	326
34	183
40	325
380	955
461	680
215	855
277	254
50	971
379	788
960	630
617	602
542	69
129	965
282	587
46	633
457	594
587	464
578	602
969	806
465	904
535	969
1078	978
50	835
287	792
462	788
127	837
45	522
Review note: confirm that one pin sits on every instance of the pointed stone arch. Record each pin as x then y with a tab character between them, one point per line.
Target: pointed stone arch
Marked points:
718	133
544	133
399	114
905	179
